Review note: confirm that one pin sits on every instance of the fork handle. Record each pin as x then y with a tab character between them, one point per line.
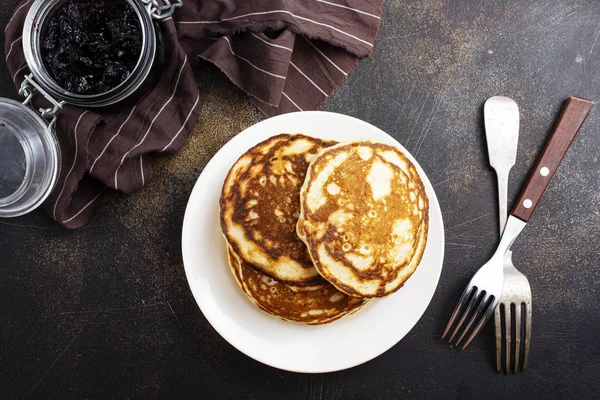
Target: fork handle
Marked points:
574	112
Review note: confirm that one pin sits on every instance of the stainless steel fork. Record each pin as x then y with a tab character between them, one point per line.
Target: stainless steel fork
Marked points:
515	305
480	298
501	116
482	294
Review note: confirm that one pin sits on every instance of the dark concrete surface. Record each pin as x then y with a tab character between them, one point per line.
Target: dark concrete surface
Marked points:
106	312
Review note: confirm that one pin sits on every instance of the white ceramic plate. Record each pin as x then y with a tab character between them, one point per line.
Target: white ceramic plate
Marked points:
342	344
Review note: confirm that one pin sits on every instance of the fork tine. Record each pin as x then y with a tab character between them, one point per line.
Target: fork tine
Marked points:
490	305
498	327
475	294
461	301
508	338
517	336
480	302
527	334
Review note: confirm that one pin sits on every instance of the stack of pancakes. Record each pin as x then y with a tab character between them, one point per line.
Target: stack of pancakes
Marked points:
315	228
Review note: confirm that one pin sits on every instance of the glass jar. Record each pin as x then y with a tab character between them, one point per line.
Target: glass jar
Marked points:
29	151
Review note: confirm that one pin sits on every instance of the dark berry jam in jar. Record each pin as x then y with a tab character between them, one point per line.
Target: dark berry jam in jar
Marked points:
90	53
92	46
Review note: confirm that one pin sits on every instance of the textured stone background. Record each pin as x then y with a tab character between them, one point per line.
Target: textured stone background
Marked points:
106	311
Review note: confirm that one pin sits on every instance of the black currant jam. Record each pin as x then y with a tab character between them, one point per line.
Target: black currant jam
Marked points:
92	46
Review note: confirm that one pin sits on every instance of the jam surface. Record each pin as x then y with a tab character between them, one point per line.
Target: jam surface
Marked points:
92	46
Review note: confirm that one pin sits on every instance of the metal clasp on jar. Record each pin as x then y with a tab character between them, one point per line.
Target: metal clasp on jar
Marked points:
162	12
28	88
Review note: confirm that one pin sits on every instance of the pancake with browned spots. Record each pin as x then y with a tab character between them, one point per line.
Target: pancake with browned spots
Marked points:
316	307
364	217
260	206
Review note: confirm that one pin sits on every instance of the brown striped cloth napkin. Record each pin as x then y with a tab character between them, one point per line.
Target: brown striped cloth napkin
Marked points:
288	55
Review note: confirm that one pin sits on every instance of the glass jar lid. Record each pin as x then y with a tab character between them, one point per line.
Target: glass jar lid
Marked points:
29	159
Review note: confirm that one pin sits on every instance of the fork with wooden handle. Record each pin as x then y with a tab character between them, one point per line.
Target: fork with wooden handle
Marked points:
482	294
501	116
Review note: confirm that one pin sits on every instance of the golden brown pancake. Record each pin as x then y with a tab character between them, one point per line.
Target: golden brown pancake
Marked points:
307	307
260	207
364	217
